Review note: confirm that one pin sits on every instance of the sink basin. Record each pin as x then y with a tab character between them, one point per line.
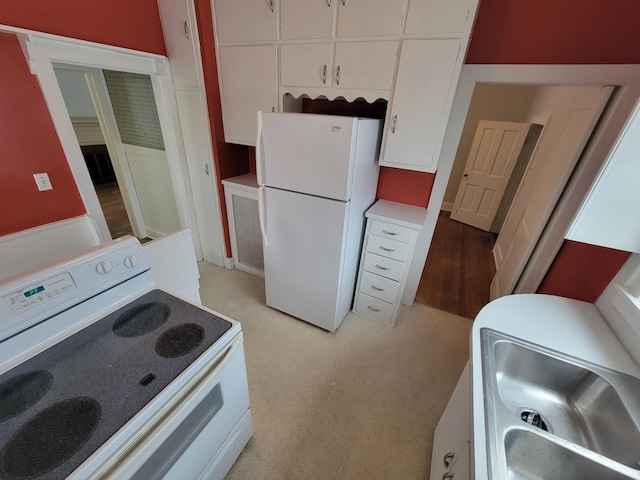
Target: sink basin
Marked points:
526	453
545	409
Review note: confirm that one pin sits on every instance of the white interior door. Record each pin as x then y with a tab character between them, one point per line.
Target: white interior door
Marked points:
559	149
493	155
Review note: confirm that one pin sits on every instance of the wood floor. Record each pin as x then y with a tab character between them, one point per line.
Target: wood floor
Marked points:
459	268
113	208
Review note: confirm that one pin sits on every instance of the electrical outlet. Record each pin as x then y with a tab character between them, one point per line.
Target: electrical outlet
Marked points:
42	181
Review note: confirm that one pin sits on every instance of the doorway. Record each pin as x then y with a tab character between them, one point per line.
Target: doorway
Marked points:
115	119
453	244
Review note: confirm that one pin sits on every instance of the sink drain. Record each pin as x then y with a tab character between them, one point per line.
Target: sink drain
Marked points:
534	418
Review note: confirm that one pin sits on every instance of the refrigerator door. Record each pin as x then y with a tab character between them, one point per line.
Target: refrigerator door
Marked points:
303	256
308	153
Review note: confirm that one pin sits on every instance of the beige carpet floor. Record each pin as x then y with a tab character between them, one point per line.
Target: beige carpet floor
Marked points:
360	403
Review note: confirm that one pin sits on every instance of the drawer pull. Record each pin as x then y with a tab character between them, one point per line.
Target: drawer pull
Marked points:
447	476
388	232
448	457
377	288
387	249
373	308
382	268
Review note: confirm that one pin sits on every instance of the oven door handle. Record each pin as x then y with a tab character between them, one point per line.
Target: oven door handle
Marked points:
156	466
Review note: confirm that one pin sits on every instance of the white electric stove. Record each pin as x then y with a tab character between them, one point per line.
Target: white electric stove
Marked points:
105	376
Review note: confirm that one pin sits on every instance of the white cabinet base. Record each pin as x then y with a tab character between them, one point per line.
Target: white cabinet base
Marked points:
389	243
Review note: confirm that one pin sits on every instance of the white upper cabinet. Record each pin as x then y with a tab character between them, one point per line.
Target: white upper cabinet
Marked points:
249	84
436	16
609	216
245	20
335	67
311	19
364	65
418	112
181	39
369	18
306	65
345	49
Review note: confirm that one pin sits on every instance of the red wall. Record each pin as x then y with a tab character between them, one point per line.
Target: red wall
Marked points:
582	271
28	141
123	23
29	144
556	32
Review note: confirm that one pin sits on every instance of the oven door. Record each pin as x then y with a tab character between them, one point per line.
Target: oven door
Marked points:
185	436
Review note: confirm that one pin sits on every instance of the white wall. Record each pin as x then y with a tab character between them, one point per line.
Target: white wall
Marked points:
76	93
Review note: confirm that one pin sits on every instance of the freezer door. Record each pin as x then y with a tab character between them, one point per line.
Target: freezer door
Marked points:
308	153
303	256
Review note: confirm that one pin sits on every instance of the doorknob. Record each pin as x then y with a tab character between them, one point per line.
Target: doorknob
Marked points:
466	175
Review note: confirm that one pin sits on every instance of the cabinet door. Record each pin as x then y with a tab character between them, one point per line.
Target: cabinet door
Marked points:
453	431
181	39
305	65
306	20
245	20
362	18
417	119
364	65
436	16
248	83
461	469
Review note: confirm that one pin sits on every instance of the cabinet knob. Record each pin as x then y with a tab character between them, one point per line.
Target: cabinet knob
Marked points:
324	73
328	3
387	249
389	232
338	75
271	5
378	289
373	309
447	476
381	267
185	26
344	2
394	124
448	457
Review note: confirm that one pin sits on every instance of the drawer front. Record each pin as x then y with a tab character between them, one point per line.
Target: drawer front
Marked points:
394	232
387	248
379	287
383	266
374	308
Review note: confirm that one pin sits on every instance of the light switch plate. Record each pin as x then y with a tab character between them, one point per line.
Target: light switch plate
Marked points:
42	181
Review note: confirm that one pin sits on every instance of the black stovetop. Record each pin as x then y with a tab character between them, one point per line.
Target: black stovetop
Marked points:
58	407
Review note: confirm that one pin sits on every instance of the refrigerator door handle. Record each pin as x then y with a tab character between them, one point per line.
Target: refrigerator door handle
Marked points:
259	169
261	205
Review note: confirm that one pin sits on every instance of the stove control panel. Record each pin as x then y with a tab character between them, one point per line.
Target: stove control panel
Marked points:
41	292
37	296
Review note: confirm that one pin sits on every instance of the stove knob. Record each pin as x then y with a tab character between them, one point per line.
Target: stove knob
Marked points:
104	267
130	261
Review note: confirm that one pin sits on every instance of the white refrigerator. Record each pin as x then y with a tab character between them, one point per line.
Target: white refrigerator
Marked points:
318	174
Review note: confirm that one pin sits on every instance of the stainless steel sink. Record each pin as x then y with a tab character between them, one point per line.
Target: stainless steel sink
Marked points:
545	410
530	456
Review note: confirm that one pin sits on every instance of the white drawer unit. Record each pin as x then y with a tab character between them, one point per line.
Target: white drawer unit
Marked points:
385	267
390	240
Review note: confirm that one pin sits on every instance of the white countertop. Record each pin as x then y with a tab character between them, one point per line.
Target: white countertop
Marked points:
568	326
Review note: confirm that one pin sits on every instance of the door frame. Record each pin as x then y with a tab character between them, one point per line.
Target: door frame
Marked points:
625	77
43	51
